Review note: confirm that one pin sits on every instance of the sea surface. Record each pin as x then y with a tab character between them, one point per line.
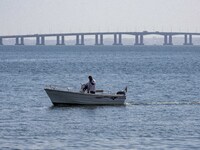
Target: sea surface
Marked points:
162	109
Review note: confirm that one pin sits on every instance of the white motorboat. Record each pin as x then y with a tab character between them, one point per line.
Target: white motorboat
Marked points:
66	96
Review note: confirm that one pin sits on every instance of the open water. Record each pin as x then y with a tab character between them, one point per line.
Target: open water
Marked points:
162	110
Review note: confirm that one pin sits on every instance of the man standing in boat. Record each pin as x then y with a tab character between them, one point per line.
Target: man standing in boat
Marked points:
90	86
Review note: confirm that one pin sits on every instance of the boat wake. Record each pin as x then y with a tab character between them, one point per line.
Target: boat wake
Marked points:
164	103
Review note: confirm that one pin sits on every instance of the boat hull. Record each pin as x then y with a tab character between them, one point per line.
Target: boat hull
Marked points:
58	97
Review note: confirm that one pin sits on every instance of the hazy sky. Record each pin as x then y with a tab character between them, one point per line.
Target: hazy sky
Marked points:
53	16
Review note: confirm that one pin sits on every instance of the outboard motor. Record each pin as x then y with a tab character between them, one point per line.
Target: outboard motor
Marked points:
122	92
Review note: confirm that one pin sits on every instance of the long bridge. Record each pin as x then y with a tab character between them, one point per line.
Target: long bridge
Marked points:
99	37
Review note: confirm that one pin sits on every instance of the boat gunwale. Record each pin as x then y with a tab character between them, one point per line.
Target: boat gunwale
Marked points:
87	94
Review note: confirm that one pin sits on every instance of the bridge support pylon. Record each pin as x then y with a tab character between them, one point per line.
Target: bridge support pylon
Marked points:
97	42
188	41
117	39
40	40
167	39
80	39
60	40
19	41
1	41
139	40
